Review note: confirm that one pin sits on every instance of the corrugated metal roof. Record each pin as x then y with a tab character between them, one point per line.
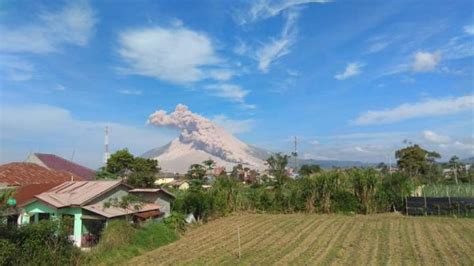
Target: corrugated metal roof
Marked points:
76	193
115	211
151	190
57	163
27	193
145	190
18	174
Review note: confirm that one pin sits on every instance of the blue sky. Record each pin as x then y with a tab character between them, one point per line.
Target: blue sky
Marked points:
351	79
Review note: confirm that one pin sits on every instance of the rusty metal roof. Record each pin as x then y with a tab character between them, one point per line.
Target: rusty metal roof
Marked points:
19	174
27	193
57	163
115	211
76	193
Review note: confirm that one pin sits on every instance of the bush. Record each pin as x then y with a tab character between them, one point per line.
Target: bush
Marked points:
393	190
345	202
176	222
43	243
121	241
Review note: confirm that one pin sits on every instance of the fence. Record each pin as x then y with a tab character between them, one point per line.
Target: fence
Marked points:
440	206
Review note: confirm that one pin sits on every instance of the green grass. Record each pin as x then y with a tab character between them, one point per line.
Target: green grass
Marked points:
121	241
453	190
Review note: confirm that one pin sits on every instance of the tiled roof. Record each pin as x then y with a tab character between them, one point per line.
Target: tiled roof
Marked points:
26	193
115	211
19	174
76	193
55	162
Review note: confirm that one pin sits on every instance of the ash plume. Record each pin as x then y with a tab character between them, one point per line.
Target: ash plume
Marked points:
202	134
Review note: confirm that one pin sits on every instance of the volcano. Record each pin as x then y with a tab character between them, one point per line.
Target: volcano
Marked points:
199	140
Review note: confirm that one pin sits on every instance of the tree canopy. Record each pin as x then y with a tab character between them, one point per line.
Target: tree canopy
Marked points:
415	161
139	172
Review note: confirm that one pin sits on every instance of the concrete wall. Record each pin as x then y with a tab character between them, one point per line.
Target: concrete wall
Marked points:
117	192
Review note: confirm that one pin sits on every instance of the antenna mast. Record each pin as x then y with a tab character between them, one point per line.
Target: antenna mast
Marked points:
106	145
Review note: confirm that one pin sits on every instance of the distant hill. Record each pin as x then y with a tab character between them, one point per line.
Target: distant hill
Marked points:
469	160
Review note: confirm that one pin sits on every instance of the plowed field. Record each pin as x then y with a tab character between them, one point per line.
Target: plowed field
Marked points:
300	239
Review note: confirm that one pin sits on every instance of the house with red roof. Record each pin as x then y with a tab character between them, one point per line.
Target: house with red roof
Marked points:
55	162
20	174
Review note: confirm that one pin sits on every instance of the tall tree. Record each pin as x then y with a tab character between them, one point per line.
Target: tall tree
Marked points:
209	163
120	162
277	167
196	171
138	172
456	167
415	161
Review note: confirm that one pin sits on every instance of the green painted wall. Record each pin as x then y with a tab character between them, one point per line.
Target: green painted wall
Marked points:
36	207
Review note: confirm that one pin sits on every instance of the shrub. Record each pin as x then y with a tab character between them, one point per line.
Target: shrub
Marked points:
365	182
394	188
345	202
121	241
43	243
176	222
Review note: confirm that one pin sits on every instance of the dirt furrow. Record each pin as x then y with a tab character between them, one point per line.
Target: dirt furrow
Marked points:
307	241
345	245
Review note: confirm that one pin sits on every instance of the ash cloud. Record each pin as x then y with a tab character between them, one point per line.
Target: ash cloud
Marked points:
201	133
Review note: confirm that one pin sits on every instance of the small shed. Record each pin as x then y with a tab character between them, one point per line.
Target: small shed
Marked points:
158	196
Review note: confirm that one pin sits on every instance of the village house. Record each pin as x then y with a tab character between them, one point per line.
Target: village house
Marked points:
83	202
180	184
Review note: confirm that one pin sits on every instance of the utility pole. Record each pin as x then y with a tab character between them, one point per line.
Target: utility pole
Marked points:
106	145
295	154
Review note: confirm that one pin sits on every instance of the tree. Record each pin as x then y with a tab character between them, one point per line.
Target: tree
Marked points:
139	172
210	164
196	171
238	172
307	170
277	167
103	174
456	167
120	162
415	161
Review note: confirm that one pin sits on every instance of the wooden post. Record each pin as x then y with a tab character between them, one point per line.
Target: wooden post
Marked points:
424	197
238	239
406	205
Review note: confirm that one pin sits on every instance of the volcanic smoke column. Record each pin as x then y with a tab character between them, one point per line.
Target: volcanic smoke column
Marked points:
204	135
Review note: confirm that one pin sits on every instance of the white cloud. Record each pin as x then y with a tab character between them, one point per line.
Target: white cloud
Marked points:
59	87
176	55
263	9
50	129
74	24
425	61
378	43
352	69
130	92
230	92
469	29
435	138
430	107
276	48
15	68
234	126
241	48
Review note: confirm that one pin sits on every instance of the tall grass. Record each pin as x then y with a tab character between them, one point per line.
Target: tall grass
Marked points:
451	190
121	241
